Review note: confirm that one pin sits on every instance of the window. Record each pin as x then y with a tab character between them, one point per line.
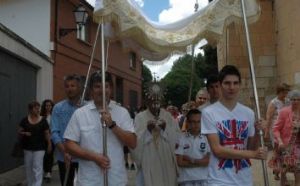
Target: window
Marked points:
132	60
82	33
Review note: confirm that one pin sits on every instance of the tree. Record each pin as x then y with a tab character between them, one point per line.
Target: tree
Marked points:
146	77
177	81
209	63
146	74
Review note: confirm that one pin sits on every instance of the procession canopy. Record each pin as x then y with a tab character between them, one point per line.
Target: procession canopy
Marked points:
154	41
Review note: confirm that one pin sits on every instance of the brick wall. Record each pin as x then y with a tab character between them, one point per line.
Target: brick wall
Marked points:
72	55
232	49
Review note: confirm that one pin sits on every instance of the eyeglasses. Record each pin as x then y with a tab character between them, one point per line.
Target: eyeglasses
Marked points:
203	98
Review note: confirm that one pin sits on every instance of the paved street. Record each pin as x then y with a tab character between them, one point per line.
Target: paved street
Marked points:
55	178
256	167
16	176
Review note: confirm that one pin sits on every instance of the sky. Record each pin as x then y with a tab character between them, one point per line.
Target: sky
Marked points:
164	12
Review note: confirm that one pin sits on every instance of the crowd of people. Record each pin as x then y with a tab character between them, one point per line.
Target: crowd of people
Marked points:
210	142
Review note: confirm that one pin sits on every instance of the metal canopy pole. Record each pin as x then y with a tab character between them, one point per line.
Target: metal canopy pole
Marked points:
264	166
192	74
84	91
90	65
104	126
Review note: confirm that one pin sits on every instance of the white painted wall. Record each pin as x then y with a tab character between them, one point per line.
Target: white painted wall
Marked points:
45	66
30	19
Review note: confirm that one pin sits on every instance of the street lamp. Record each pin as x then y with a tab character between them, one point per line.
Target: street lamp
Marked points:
81	16
196	6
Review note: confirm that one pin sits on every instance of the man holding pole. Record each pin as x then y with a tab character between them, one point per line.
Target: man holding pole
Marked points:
229	127
84	137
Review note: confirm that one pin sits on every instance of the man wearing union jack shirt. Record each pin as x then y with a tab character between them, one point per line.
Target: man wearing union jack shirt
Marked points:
229	127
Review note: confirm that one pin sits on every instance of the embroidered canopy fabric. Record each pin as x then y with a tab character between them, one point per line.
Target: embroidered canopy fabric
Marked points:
154	41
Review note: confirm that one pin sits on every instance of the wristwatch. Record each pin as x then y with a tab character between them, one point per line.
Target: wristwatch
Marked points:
113	124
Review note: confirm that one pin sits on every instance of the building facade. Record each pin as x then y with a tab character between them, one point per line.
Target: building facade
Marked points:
24	76
72	54
39	23
275	43
35	58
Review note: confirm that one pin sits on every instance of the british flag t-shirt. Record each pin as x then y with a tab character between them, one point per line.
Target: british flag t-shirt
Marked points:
233	127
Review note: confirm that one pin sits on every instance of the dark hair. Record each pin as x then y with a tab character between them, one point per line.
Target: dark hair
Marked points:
192	112
43	108
229	70
33	104
211	80
96	77
282	87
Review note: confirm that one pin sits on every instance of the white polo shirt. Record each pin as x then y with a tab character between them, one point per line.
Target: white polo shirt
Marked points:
196	148
85	128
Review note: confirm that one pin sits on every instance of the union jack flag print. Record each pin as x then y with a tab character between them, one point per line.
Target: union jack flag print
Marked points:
233	134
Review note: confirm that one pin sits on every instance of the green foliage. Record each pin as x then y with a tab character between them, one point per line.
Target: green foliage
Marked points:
177	81
146	74
147	77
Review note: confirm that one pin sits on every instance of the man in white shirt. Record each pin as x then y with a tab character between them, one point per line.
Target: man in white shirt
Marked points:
229	127
84	137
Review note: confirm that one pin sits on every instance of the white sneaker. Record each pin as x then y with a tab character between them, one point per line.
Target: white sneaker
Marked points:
48	175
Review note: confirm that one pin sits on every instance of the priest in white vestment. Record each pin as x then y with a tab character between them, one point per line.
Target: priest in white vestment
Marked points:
158	134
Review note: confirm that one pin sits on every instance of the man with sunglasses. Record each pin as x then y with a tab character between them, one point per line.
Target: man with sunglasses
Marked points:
84	136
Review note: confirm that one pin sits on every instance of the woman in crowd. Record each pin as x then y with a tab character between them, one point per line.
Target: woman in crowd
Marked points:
272	113
46	111
34	134
287	140
274	107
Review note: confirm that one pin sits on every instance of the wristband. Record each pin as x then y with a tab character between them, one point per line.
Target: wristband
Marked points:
112	125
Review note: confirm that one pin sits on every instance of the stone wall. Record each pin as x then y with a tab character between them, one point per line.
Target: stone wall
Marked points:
232	49
287	29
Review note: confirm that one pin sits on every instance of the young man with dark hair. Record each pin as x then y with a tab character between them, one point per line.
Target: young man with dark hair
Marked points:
61	115
192	153
84	136
213	88
229	127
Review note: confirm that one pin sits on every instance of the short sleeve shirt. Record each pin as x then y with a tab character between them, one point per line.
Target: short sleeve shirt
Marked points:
85	128
233	129
37	140
195	147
